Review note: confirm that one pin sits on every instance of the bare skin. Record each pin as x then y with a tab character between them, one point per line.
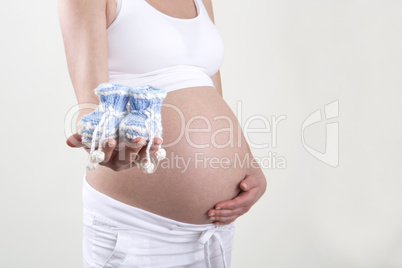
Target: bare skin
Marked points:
188	194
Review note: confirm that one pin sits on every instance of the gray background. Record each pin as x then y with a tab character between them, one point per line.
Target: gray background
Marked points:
282	58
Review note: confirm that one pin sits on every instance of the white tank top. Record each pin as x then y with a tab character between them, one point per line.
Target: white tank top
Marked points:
146	46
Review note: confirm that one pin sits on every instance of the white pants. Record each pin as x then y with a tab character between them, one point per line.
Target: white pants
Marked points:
119	235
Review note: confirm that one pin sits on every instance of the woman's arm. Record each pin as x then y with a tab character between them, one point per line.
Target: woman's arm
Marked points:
216	78
83	25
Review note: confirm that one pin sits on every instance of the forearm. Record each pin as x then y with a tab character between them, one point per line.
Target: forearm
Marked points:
216	78
83	27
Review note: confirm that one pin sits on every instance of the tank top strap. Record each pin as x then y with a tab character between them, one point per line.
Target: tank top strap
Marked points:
200	8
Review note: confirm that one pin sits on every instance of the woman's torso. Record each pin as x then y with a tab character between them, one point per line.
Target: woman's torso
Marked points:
196	173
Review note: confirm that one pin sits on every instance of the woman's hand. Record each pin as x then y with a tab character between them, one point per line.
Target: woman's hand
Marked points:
122	158
252	187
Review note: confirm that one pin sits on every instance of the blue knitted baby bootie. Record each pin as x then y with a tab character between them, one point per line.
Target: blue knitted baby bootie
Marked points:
103	123
144	120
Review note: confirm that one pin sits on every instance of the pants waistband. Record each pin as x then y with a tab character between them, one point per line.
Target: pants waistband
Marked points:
141	220
130	216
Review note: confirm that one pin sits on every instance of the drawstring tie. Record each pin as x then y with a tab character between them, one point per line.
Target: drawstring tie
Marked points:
205	238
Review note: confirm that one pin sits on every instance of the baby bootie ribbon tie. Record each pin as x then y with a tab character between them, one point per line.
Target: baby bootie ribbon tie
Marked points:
97	156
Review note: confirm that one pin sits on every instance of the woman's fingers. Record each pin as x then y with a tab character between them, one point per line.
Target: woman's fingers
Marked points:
155	146
74	141
226	216
225	212
152	150
228	211
244	199
131	150
125	154
249	182
108	148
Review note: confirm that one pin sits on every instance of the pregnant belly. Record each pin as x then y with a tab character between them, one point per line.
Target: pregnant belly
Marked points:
206	160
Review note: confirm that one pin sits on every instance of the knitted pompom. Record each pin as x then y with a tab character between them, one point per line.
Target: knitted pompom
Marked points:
160	154
98	156
91	165
148	167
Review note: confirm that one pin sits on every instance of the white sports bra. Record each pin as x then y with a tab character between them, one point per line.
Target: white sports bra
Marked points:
146	46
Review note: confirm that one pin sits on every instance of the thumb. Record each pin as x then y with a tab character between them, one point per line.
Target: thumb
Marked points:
74	141
249	182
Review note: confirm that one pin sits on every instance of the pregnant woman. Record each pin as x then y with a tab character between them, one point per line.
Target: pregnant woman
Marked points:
182	214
